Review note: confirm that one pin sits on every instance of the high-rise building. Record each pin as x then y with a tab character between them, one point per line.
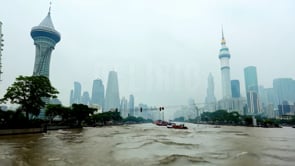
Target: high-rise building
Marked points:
131	106
251	82
1	49
235	88
284	89
45	38
55	101
210	98
253	103
72	97
270	96
112	99
76	97
85	98
124	108
267	100
224	57
97	97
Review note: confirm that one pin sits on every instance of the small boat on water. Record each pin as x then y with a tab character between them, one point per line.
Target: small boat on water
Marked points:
161	123
181	126
170	125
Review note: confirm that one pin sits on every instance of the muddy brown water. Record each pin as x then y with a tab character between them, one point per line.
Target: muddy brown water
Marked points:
147	144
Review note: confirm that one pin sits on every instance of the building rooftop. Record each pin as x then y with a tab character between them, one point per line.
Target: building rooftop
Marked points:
46	28
47	22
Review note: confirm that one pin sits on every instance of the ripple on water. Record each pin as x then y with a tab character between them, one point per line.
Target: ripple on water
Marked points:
54	159
133	145
174	158
243	134
185	145
282	154
70	137
217	155
250	155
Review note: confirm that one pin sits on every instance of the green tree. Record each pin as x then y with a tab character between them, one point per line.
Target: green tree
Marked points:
53	110
81	112
105	117
206	116
12	119
30	92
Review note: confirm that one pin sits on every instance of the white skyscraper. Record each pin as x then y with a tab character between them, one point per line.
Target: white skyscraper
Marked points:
224	57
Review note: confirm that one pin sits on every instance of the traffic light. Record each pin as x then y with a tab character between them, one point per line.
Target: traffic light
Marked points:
161	108
140	109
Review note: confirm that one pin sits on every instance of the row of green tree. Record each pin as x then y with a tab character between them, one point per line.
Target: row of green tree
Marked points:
57	115
222	117
32	94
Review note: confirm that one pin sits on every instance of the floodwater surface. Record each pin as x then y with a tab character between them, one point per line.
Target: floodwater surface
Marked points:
147	144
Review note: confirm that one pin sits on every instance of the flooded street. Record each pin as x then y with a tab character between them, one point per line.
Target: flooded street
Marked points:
147	144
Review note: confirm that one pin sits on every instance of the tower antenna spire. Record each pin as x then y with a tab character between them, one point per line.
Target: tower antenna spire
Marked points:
222	31
222	39
50	3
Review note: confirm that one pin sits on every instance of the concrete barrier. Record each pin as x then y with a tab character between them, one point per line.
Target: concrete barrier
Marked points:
21	131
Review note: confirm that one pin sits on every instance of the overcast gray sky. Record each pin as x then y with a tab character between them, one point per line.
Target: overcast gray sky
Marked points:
163	50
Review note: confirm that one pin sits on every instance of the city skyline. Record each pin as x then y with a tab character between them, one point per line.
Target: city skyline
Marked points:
162	53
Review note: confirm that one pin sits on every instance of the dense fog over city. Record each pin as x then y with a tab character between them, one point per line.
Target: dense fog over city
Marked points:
162	50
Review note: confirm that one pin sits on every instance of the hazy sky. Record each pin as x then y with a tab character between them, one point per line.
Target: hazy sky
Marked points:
163	50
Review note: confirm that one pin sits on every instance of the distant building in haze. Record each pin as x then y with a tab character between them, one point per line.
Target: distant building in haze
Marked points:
238	103
131	106
284	89
251	84
71	97
45	38
253	103
235	88
55	101
286	109
97	97
85	99
124	108
76	94
210	98
112	99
